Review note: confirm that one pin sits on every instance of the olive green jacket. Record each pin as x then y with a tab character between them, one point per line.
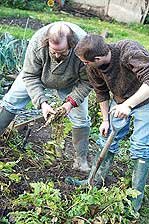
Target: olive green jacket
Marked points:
41	71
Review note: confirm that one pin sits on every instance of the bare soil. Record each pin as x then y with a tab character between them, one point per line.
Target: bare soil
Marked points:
33	169
22	22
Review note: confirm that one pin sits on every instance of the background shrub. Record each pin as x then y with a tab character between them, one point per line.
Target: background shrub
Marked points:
35	5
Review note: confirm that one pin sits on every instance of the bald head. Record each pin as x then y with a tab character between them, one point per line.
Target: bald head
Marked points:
60	38
59	32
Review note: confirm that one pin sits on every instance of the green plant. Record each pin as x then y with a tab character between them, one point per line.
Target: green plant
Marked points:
145	208
110	205
36	5
15	141
7	170
29	217
12	53
4	221
94	110
29	106
45	205
42	205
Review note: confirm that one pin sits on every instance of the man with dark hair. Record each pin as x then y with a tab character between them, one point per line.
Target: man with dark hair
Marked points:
122	69
50	62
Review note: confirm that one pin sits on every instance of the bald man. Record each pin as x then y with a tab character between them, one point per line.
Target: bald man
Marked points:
50	63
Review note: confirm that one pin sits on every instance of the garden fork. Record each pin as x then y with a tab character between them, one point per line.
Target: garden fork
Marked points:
115	130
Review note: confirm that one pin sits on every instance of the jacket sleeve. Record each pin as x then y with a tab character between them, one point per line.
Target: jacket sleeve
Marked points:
136	58
99	85
32	70
82	87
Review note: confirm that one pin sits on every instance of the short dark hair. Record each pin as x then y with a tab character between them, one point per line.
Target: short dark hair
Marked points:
91	46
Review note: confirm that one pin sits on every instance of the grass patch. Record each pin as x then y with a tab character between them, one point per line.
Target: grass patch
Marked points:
117	30
16	31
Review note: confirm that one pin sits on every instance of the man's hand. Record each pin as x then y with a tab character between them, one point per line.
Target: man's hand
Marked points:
68	106
104	127
121	110
47	109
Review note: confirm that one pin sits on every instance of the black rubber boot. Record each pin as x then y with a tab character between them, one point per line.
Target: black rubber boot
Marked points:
80	140
139	177
5	118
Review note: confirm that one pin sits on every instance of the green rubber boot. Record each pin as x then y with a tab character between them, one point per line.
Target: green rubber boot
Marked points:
100	175
80	140
5	118
139	177
103	169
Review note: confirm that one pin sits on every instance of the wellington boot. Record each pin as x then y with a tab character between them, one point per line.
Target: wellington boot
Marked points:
139	177
103	169
101	173
5	118
80	140
73	181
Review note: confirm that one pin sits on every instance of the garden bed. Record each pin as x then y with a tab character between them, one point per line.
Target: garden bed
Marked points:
33	163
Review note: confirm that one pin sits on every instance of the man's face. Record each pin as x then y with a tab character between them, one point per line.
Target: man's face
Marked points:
59	51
